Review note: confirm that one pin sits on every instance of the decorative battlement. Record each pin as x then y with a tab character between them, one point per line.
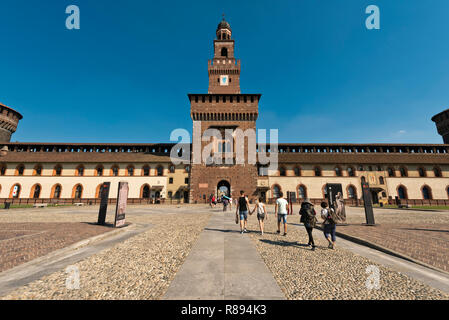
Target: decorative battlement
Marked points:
9	120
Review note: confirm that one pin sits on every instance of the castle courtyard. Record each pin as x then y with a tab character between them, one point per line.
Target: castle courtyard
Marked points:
194	252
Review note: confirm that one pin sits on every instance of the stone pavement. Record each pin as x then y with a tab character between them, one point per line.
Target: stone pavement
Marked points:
224	264
23	242
428	243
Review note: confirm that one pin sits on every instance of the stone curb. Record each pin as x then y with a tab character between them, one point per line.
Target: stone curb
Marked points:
385	250
71	247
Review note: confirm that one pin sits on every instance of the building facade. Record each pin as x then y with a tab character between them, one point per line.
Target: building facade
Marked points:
70	173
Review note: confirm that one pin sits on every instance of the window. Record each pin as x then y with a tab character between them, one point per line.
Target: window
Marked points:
187	168
351	172
160	171
186	181
381	180
20	170
276	191
172	169
3	170
170	194
302	192
426	193
282	172
146	192
352	194
146	171
99	171
78	192
170	180
317	171
363	179
37	170
15	191
57	171
422	172
224	52
338	172
130	171
391	172
297	171
114	171
57	192
403	171
402	192
80	171
437	172
36	191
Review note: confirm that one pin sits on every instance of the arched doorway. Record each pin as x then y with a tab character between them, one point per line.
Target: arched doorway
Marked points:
223	189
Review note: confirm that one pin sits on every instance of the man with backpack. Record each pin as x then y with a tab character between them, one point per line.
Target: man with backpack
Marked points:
330	224
308	217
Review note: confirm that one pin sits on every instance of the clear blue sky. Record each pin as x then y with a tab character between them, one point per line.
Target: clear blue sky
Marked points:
125	76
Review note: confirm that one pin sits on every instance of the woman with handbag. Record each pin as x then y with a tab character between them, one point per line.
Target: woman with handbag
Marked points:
308	217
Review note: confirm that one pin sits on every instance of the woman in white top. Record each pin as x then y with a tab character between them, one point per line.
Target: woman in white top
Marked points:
261	213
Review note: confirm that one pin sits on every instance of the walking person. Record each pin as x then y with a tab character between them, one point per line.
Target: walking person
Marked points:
225	204
280	211
261	213
241	212
308	217
330	224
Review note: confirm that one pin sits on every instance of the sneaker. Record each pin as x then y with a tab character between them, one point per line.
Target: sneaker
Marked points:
313	248
246	231
285	234
241	232
278	232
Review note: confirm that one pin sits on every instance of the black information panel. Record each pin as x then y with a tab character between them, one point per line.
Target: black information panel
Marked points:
104	193
332	189
368	201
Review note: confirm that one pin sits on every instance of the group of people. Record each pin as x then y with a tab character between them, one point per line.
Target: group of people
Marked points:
307	213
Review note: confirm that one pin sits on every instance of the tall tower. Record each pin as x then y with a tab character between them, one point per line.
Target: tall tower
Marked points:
442	122
225	109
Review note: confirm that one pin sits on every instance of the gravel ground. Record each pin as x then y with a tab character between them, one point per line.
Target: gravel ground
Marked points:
139	268
328	274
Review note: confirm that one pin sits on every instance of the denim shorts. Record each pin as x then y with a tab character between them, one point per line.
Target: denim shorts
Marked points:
330	231
243	215
282	217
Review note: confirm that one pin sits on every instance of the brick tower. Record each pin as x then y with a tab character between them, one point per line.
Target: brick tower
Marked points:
224	108
442	122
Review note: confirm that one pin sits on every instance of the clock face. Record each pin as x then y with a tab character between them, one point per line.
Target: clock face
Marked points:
224	80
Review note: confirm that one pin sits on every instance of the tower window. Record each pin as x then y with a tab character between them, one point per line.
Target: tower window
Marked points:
224	52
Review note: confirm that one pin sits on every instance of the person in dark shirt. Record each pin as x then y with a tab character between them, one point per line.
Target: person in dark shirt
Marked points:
242	212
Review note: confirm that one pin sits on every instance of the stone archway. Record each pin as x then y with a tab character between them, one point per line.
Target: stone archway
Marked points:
223	188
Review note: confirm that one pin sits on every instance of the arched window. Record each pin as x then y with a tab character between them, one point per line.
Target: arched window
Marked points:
99	171
3	169
276	191
160	171
381	180
422	172
115	171
403	171
302	192
37	171
338	172
437	172
57	171
56	191
172	169
282	172
35	191
15	191
391	172
351	172
426	193
352	192
77	191
224	52
79	171
130	171
297	171
20	170
145	191
363	179
146	171
402	192
317	171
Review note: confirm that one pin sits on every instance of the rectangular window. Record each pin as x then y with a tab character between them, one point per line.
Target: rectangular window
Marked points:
170	181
